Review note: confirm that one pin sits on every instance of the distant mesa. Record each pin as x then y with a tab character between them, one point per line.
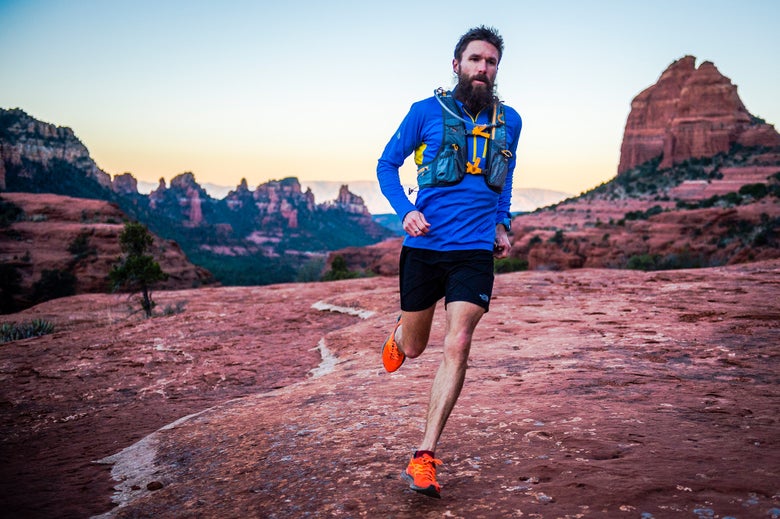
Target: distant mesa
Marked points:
689	113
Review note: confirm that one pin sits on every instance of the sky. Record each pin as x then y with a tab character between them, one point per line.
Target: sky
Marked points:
263	90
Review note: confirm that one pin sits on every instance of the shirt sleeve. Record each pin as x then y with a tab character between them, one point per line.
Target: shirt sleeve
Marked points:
514	126
401	145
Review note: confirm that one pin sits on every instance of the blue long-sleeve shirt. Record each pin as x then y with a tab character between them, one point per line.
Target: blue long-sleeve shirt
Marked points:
463	216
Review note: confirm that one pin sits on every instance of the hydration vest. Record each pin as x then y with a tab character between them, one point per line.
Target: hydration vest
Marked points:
451	163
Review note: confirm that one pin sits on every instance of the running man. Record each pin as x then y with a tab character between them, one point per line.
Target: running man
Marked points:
464	145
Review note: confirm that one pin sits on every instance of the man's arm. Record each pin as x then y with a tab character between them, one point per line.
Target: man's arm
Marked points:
503	214
400	146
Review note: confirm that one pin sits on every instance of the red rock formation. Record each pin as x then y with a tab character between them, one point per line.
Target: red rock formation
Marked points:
283	198
380	258
42	239
125	184
158	195
350	202
39	142
689	113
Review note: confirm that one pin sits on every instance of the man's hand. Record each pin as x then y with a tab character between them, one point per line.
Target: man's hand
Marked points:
502	245
415	224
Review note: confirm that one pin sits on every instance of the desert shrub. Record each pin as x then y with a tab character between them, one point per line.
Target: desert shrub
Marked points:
53	284
80	247
643	262
35	328
682	260
557	237
9	213
339	270
510	264
174	309
536	240
757	191
10	287
644	215
310	271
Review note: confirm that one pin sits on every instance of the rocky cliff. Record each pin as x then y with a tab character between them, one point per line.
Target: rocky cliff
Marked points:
29	147
689	113
249	237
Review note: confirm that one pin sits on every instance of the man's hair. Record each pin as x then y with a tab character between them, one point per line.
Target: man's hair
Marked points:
481	33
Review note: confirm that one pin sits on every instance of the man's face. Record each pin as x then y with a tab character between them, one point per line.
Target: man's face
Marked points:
478	65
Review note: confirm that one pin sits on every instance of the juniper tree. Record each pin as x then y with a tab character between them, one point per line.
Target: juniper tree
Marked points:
137	270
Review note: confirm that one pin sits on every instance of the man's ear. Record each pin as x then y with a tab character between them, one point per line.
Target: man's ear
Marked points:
455	66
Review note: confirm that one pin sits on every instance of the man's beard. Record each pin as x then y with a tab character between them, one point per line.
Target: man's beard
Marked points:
475	98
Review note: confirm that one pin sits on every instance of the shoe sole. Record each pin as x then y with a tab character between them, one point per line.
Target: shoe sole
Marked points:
428	491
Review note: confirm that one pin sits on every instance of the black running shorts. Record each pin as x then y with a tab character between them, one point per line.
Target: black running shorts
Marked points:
428	275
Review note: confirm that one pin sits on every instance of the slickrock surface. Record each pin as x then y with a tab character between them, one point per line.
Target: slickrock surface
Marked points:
590	393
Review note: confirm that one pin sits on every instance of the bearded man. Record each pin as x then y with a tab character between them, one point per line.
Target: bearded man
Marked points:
464	145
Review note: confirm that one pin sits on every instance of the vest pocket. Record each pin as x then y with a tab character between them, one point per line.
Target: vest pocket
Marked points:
495	176
447	169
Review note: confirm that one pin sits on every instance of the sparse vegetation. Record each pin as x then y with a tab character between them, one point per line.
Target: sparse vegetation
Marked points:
339	270
80	246
10	286
311	270
138	270
35	328
557	238
53	284
644	215
9	213
682	260
510	264
175	308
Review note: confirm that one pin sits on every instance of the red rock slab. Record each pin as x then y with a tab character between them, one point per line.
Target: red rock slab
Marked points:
106	378
590	393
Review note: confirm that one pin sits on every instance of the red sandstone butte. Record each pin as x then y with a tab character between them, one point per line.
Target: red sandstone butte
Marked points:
689	113
590	393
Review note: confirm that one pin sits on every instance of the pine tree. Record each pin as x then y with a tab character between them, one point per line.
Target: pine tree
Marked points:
137	270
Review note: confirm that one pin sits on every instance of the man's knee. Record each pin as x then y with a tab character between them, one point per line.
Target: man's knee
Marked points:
457	346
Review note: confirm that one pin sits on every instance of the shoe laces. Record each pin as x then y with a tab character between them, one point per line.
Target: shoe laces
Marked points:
395	353
425	467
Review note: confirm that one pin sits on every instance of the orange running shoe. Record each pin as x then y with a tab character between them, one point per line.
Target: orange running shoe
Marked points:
421	475
392	357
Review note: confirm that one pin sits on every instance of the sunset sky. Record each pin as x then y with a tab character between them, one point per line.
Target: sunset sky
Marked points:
314	89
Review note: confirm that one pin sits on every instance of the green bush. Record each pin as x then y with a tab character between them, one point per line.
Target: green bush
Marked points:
757	191
644	215
80	247
510	264
557	238
53	284
339	270
35	328
9	213
643	262
310	271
